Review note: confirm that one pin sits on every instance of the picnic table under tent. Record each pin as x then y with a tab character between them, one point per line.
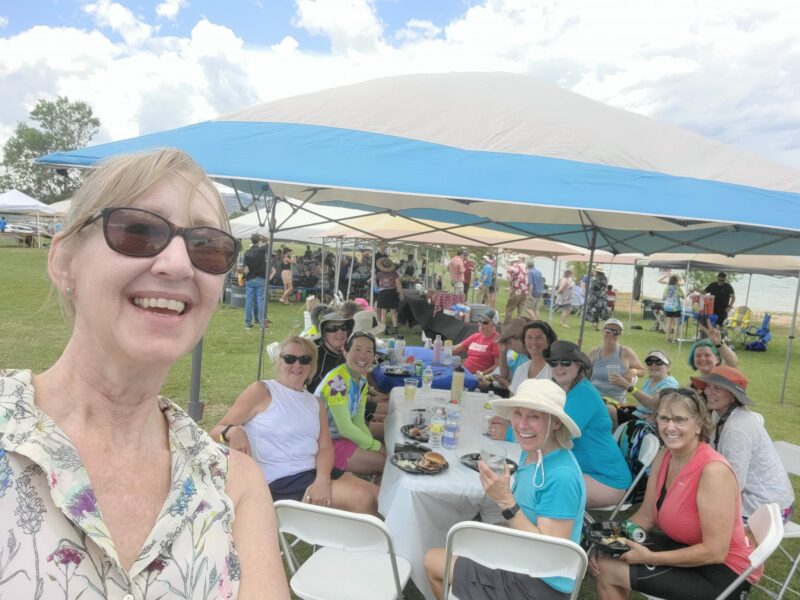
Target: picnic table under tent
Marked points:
499	151
16	202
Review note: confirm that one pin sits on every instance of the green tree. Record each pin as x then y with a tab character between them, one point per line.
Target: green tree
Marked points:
699	280
59	125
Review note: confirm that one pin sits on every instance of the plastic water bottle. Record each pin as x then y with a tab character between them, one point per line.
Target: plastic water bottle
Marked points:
390	351
437	350
452	426
436	430
399	348
457	387
447	353
427	378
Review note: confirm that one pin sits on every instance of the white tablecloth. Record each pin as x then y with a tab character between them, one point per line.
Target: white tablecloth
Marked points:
420	509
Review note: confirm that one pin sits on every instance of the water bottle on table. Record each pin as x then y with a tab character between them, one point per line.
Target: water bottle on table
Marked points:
436	429
437	350
427	378
452	427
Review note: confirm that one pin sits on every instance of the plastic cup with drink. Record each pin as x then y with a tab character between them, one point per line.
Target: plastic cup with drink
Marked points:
410	385
495	458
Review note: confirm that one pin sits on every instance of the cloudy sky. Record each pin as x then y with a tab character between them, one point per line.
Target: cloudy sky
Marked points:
728	70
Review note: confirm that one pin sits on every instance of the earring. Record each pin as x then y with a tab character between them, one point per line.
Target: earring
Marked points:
68	291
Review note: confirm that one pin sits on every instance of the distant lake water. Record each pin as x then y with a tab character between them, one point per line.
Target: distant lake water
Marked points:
772	294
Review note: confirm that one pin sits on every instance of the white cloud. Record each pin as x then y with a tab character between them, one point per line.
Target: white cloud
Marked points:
416	30
169	9
120	20
728	71
351	25
3	22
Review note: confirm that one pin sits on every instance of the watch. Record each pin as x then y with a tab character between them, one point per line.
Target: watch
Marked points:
718	345
224	433
631	389
508	513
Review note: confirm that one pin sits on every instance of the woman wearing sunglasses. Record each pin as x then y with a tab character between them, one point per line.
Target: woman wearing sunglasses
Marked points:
693	500
614	367
646	397
285	428
334	330
605	473
96	467
344	391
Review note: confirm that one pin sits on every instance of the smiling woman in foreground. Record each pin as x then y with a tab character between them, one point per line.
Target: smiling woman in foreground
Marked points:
105	486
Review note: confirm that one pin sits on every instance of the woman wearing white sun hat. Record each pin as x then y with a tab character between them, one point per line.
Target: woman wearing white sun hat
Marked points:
548	496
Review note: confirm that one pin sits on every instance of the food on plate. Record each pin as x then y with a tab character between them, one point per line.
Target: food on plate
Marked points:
405	463
432	461
418	432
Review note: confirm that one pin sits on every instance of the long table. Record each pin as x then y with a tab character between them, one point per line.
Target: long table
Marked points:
420	509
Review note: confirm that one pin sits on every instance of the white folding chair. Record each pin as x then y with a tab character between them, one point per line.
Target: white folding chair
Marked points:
790	457
513	550
273	351
356	560
648	450
767	528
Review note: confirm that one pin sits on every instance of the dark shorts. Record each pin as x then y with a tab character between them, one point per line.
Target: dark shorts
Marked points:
672	314
683	583
473	581
292	487
388	299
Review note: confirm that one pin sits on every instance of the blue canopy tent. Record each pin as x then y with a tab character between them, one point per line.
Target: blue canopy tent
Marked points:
498	151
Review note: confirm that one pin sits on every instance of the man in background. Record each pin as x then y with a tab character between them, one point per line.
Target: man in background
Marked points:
456	267
255	273
724	296
536	286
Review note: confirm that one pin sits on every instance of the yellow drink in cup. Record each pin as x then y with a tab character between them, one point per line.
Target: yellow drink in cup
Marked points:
410	388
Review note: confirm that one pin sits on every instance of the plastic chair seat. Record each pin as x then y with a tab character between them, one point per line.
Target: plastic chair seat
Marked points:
333	574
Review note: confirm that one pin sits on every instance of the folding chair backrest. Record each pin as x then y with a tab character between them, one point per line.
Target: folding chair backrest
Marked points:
332	527
766	525
641	453
790	456
518	551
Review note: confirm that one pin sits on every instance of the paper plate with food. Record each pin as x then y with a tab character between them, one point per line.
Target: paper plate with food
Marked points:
608	537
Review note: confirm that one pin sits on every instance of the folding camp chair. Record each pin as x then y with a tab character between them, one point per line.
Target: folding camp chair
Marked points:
736	324
641	452
513	550
757	338
356	560
767	529
790	457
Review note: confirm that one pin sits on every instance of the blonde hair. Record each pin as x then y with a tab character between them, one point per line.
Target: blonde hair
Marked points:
309	348
562	437
120	181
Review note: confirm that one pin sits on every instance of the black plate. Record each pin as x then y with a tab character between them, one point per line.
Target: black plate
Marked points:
596	532
471	461
398	370
415	470
405	430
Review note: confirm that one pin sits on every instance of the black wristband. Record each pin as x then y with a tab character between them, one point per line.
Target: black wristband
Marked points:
717	345
508	513
224	433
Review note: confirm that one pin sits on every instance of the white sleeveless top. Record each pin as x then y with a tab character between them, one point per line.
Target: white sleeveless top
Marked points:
284	438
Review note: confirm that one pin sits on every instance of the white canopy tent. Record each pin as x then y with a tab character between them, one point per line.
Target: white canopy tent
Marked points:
14	201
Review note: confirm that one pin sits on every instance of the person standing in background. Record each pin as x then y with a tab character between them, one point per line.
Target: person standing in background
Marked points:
456	267
673	307
486	280
469	267
536	287
518	295
563	299
724	296
255	273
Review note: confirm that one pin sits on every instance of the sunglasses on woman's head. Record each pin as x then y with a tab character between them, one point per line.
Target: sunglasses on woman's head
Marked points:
141	233
653	361
564	362
290	359
334	328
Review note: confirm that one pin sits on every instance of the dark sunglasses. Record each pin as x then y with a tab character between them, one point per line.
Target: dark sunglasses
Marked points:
141	233
290	359
334	328
564	362
614	332
653	361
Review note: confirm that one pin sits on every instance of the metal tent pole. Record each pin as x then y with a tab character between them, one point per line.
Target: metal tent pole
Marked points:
264	311
427	271
195	406
747	296
350	271
372	277
322	274
633	285
792	331
683	306
553	287
588	287
338	268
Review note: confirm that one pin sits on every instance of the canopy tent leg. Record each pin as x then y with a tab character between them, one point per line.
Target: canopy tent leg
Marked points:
338	269
553	286
350	271
683	304
427	272
264	311
322	274
747	296
792	331
196	406
372	277
588	287
633	285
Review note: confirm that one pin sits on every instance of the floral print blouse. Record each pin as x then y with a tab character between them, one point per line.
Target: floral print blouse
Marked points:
53	541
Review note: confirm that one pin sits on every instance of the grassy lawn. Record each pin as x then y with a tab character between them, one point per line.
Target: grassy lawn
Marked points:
34	333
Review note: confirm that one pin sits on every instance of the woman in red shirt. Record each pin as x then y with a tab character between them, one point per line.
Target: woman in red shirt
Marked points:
482	350
693	498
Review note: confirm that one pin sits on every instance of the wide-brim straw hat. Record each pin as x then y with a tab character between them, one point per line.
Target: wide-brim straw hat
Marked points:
542	395
385	264
727	378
